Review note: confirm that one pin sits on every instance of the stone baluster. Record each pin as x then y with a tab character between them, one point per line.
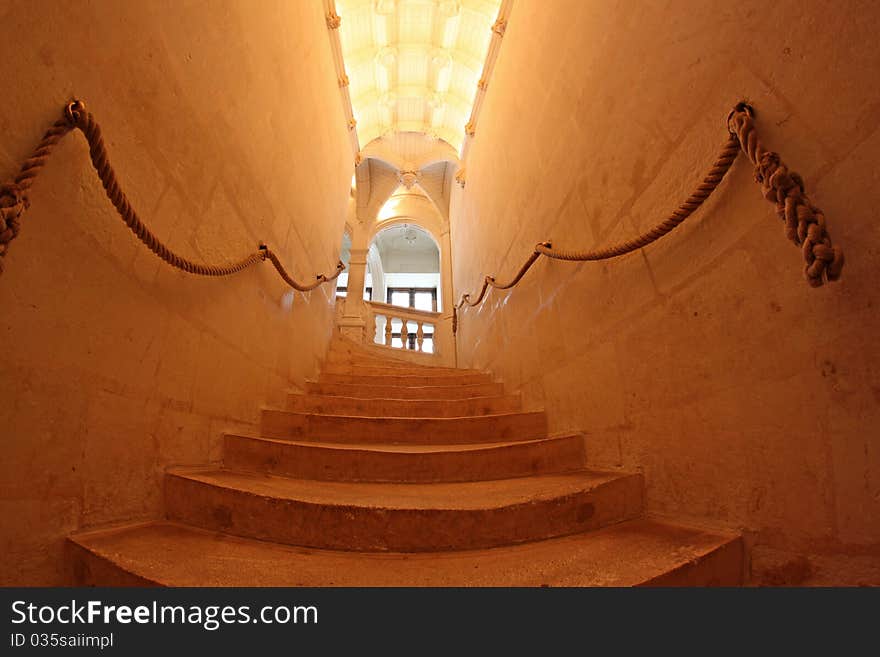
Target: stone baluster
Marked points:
410	336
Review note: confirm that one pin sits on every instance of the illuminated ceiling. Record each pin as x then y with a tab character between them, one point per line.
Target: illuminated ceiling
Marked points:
414	65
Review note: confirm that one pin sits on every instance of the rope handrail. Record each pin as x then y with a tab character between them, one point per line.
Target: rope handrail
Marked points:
14	202
804	222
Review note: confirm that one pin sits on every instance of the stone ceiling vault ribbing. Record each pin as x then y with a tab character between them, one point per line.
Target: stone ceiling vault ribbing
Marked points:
412	74
414	65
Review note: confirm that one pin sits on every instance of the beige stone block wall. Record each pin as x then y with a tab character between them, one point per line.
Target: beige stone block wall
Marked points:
748	399
224	122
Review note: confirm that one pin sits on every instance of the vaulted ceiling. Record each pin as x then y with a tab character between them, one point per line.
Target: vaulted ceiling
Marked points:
405	162
414	65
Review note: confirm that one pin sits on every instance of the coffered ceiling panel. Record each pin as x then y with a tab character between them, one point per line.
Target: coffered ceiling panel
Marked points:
414	65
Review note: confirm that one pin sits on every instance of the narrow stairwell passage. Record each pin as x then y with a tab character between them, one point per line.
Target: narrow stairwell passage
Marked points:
389	473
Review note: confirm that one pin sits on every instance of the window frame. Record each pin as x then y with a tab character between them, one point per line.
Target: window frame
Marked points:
412	296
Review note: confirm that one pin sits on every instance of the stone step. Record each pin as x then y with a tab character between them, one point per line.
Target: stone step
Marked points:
403	463
403	407
634	553
336	358
406	380
385	358
509	427
379	359
400	517
385	370
366	391
358	352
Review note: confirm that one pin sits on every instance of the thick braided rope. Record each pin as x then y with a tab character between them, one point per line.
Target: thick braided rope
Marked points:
713	178
722	165
320	278
13	196
13	203
804	222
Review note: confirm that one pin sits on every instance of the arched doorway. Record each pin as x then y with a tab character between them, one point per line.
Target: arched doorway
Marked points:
401	253
404	260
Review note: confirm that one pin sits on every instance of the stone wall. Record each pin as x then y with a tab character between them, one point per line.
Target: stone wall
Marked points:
748	399
224	123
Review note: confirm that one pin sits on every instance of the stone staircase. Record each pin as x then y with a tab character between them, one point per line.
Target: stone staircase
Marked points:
390	473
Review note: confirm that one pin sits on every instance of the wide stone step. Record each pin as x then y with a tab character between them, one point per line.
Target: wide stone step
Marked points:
635	553
399	370
386	359
403	407
407	380
400	517
366	391
403	463
516	426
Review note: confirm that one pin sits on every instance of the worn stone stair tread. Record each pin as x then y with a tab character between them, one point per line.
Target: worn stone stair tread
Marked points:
401	408
395	370
367	391
402	400
379	361
404	448
395	418
467	495
418	387
637	552
511	425
380	355
403	462
405	380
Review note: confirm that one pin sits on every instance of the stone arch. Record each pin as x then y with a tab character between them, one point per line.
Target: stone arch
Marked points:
387	228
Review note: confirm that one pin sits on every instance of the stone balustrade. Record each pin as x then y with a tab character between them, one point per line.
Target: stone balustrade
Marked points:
404	328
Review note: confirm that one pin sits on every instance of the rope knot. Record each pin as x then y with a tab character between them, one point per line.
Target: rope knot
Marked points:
766	166
12	195
13	203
